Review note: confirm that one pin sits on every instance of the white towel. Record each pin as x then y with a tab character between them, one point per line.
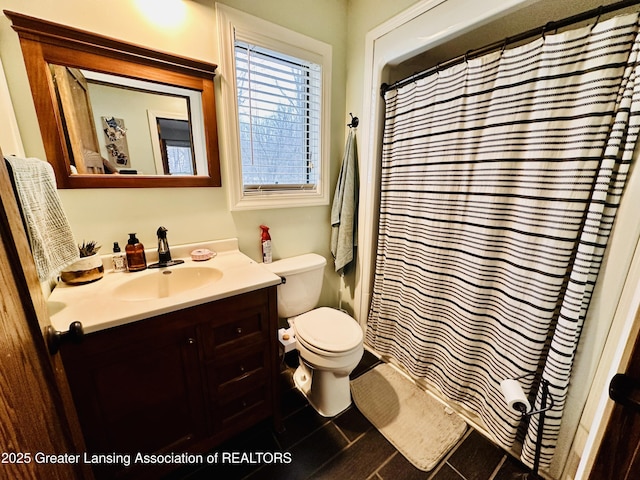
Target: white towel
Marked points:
344	210
52	244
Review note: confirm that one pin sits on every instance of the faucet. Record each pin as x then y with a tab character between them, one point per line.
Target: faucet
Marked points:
164	253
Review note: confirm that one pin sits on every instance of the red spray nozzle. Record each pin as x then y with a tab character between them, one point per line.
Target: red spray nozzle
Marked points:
265	233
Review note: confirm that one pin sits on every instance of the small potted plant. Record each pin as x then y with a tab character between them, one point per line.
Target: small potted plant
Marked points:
88	269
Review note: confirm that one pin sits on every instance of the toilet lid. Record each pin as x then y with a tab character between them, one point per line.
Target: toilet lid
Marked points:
328	329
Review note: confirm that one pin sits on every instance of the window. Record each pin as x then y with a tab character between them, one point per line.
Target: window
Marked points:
279	119
276	113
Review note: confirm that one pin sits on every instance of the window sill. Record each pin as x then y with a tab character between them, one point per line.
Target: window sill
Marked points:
279	200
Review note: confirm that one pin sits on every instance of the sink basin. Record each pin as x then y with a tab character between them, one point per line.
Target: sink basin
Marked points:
166	283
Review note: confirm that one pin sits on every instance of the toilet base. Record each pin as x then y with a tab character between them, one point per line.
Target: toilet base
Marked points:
330	393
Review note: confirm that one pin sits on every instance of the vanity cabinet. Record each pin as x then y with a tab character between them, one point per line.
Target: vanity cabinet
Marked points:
182	381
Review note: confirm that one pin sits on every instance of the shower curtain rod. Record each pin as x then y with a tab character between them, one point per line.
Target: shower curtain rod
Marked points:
553	25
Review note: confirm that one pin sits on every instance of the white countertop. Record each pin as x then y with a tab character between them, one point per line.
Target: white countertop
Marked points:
97	306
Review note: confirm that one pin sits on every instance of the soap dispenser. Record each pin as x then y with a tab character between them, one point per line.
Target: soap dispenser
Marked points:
136	258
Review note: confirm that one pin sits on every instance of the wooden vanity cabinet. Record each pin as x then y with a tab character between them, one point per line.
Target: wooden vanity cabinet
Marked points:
136	388
182	381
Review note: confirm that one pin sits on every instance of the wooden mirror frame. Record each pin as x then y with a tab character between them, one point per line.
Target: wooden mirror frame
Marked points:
45	43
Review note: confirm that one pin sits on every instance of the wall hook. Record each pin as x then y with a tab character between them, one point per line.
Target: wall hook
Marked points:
354	121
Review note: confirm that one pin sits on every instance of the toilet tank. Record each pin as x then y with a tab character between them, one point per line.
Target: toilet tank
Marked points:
303	283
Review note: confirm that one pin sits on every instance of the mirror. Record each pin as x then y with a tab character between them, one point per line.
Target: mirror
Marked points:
120	125
114	114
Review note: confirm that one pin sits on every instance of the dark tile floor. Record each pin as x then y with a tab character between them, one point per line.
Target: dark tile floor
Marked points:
346	447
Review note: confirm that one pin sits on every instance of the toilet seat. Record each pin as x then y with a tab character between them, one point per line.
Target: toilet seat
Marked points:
328	331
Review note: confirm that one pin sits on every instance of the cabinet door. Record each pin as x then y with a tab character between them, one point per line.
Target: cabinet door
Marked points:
136	387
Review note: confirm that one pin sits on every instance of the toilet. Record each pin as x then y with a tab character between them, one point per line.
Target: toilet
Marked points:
329	341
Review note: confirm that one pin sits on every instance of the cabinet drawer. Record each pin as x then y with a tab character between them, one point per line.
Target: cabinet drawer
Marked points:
239	367
252	400
236	330
239	386
230	331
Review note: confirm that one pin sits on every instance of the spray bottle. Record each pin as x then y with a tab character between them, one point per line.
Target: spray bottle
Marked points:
265	242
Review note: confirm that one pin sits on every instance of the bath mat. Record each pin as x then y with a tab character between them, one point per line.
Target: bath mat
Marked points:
414	422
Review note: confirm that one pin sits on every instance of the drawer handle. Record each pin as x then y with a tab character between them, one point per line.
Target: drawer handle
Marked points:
239	330
244	404
244	375
242	368
191	340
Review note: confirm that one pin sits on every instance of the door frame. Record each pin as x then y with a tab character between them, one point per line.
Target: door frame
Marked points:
617	454
624	354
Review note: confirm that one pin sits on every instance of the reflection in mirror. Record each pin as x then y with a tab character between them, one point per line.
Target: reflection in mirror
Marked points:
119	125
176	150
115	114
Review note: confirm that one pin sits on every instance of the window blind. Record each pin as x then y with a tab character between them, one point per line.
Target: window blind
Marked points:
279	119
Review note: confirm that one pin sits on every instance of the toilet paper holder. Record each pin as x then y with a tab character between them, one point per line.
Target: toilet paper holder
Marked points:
545	397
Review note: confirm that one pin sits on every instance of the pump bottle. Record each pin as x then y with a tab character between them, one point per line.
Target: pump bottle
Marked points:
119	259
136	258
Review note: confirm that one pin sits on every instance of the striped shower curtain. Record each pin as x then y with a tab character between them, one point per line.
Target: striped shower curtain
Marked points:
500	182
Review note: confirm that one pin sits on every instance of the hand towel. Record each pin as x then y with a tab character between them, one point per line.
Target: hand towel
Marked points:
52	244
344	210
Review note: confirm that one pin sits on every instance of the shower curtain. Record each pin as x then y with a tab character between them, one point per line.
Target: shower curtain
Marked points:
500	181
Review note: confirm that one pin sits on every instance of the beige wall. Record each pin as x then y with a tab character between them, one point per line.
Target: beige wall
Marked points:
364	15
190	214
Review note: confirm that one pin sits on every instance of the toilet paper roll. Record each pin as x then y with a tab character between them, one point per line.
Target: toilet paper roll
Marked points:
514	396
